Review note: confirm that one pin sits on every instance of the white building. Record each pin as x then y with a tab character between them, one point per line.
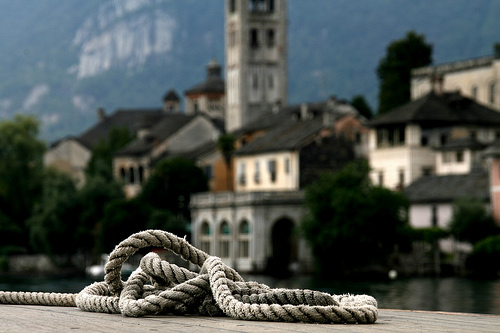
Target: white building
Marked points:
419	138
478	79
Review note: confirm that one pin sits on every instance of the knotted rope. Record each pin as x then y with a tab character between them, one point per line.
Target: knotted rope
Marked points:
160	287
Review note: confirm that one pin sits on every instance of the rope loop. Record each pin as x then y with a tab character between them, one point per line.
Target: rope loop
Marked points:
158	287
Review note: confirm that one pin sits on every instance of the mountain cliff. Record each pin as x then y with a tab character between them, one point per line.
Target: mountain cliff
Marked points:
61	60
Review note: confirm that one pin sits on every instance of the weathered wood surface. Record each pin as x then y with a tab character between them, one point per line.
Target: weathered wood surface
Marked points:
24	318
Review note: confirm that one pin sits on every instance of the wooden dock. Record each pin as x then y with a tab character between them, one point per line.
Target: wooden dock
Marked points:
32	318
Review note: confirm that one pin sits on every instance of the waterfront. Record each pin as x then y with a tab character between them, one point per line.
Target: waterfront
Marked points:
431	294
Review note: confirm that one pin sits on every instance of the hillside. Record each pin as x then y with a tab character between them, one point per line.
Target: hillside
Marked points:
63	59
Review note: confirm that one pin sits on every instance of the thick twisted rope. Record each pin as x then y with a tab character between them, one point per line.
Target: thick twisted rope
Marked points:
160	287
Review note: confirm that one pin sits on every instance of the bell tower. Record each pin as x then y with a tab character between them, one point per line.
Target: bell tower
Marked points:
256	59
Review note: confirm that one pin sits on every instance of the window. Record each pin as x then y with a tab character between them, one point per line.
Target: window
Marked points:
257	173
255	82
254	38
252	5
443	139
208	170
271	81
434	216
131	175
460	156
244	240
271	40
232	38
358	137
401	178
123	174
474	92
242	176
232	6
141	174
272	170
271	6
426	171
388	137
492	93
205	233
261	6
287	165
381	178
224	240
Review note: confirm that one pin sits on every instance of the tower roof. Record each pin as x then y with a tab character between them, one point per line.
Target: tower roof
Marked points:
171	95
447	108
214	83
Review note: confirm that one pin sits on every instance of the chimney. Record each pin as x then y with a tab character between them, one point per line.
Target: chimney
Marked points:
304	110
276	107
437	83
101	114
332	101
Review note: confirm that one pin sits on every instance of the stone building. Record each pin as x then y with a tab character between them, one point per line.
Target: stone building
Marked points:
478	79
256	59
209	95
420	138
254	228
72	154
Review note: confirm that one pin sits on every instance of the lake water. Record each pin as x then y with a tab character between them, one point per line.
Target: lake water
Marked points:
432	294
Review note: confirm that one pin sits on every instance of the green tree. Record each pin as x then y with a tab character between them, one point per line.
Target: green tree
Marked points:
470	221
171	184
101	161
350	223
485	258
394	70
92	199
360	104
52	226
21	161
121	218
166	220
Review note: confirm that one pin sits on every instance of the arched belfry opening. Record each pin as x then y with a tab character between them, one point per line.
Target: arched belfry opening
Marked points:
284	248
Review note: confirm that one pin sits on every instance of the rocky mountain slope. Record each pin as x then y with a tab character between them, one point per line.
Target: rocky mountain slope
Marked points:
61	60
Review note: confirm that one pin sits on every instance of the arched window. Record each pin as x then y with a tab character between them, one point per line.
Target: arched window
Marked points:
205	233
131	175
232	6
244	239
123	174
141	174
224	240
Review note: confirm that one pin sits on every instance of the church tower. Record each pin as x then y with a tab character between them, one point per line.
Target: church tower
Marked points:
256	59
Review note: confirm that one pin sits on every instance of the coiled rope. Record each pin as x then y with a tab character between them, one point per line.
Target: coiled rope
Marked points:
160	287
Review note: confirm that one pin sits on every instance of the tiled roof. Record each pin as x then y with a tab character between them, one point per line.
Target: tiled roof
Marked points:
286	128
171	95
493	150
444	109
210	85
133	119
272	119
446	188
168	125
290	134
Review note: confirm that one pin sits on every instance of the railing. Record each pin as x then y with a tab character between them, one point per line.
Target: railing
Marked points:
241	198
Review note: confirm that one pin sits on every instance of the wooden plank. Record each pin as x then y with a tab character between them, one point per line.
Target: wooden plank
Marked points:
29	318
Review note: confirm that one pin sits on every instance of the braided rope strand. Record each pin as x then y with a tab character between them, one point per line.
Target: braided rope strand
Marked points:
160	287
